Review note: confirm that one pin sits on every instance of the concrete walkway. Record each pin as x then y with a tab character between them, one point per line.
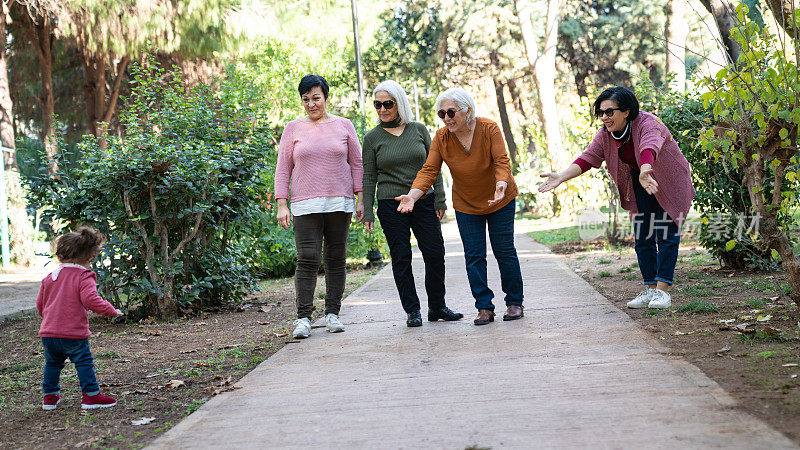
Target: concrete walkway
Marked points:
575	372
18	292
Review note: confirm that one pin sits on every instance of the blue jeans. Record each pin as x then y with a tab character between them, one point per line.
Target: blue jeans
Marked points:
657	237
501	236
56	351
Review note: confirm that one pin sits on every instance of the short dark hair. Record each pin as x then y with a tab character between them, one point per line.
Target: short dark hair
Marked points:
81	245
623	97
310	81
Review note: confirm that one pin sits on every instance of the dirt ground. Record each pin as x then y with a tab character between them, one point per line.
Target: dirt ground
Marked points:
740	328
158	372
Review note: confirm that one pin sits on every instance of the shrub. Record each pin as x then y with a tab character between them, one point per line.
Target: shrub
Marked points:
173	194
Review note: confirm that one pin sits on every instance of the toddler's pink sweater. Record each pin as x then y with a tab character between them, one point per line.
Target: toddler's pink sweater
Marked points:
64	298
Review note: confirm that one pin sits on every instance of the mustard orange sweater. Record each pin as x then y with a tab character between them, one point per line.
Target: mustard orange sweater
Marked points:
475	173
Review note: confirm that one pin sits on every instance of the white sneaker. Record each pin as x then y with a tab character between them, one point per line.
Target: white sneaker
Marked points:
642	300
333	324
661	299
302	328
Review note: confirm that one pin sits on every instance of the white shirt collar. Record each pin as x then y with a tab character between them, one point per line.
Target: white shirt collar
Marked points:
55	273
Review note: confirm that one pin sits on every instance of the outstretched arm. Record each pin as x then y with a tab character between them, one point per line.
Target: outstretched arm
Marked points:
554	179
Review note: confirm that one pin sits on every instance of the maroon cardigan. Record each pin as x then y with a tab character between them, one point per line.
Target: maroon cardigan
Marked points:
671	169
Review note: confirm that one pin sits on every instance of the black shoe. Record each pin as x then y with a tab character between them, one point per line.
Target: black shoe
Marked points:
414	319
445	314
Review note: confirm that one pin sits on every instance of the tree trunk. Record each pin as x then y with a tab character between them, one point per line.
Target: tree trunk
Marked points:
724	15
543	65
516	100
41	35
504	121
769	228
6	105
675	33
783	10
99	110
501	107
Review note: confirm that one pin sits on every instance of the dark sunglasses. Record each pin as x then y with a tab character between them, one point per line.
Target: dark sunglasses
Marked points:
607	112
388	104
450	113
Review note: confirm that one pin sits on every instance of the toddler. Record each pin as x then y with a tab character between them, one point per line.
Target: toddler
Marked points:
64	298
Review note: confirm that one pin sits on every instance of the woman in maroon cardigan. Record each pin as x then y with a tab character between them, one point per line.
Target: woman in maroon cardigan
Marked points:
654	182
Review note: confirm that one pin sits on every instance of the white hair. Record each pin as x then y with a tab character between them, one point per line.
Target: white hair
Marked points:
397	92
461	98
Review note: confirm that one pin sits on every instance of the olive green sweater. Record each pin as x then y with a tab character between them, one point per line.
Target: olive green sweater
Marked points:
392	162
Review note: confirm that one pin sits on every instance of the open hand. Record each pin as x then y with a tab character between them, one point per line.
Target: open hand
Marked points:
646	179
499	193
406	203
553	180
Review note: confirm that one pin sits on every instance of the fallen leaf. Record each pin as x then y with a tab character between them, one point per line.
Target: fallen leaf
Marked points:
152	375
790	365
138	391
794	375
280	335
200	323
747	317
221	389
142	421
89	442
681	333
142	339
764	318
263	323
723	350
775	299
731	274
770	330
266	309
188	351
174	384
727	320
744	328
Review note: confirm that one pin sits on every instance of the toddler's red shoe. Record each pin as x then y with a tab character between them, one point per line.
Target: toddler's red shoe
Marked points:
50	402
97	401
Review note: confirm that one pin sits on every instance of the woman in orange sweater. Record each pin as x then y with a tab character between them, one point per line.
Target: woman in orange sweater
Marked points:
483	194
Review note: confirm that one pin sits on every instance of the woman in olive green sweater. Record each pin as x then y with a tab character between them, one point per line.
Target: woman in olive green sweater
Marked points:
393	153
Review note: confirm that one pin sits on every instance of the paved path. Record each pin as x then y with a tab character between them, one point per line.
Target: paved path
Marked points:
18	292
575	372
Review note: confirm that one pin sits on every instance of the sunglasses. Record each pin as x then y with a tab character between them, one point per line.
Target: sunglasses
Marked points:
607	112
450	113
388	104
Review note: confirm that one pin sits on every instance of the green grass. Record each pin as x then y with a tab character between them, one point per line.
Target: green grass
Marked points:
768	286
604	261
556	235
630	277
702	290
697	258
604	274
625	270
763	336
756	303
698	306
656	312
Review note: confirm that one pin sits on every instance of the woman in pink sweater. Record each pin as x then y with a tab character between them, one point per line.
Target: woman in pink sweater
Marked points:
654	182
319	170
64	299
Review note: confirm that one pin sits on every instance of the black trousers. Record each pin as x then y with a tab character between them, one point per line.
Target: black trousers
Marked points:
397	227
310	231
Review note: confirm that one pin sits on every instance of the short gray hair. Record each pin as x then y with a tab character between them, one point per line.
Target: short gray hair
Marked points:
397	92
460	97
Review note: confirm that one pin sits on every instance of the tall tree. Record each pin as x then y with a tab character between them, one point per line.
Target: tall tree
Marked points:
543	64
6	113
784	10
109	33
676	32
724	16
41	21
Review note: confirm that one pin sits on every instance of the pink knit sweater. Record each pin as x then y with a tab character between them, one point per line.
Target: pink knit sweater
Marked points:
320	159
64	298
671	169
